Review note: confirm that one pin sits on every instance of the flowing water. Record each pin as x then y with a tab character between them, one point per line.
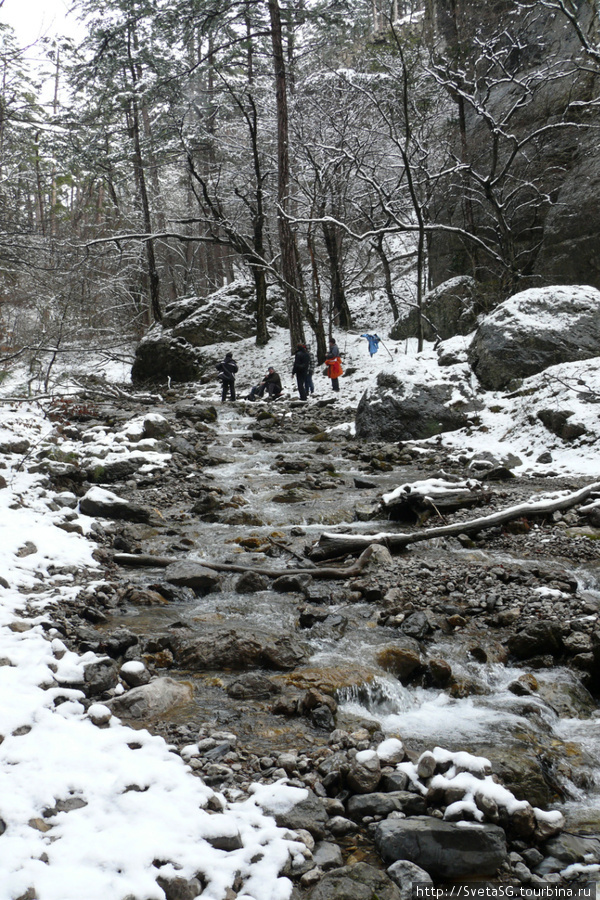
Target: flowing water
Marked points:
559	722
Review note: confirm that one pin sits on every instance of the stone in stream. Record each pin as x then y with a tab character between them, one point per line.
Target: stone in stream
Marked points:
443	849
193	575
239	649
536	640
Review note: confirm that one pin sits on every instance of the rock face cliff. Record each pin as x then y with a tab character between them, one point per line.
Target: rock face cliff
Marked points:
526	133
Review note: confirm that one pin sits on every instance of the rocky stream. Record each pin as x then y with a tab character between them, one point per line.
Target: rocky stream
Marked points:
386	691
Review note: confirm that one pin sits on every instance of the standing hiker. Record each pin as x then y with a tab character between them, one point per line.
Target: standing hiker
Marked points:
227	370
301	370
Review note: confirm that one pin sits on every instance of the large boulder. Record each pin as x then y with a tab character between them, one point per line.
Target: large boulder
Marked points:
395	411
443	849
170	349
160	356
533	330
450	309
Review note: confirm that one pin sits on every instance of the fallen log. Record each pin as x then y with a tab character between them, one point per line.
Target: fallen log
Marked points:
412	502
143	560
340	544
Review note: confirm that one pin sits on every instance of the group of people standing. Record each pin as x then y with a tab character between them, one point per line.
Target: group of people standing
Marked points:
271	384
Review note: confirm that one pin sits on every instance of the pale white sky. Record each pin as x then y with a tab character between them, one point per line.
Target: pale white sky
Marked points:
34	19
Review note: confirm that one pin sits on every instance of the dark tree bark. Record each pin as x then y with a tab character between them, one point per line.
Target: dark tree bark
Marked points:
290	265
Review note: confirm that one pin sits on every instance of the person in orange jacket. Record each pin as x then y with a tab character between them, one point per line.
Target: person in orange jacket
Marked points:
334	364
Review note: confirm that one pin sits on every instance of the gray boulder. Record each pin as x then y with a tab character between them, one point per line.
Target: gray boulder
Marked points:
309	814
536	640
382	804
106	505
451	308
406	874
170	349
100	676
393	412
193	575
357	882
240	649
533	330
160	356
443	849
150	700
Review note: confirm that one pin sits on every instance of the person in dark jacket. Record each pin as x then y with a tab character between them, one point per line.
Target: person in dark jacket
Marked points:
301	370
227	371
271	385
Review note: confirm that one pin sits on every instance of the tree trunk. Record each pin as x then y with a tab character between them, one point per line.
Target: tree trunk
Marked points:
290	266
138	162
341	311
387	275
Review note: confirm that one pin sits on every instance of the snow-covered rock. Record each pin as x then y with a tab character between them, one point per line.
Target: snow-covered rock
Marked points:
533	330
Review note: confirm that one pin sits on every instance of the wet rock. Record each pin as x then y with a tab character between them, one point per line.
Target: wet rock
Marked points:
535	640
357	882
149	700
240	649
292	584
439	673
253	686
251	583
402	662
193	575
416	625
573	848
443	849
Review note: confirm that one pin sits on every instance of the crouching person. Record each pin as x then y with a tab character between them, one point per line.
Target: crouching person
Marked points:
270	385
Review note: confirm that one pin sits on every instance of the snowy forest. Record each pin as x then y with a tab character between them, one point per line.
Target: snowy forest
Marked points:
328	148
299	427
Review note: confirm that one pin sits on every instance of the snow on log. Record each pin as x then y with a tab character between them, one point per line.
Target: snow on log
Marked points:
410	502
333	545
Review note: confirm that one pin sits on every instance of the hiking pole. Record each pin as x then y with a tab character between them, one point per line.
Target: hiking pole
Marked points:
383	345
